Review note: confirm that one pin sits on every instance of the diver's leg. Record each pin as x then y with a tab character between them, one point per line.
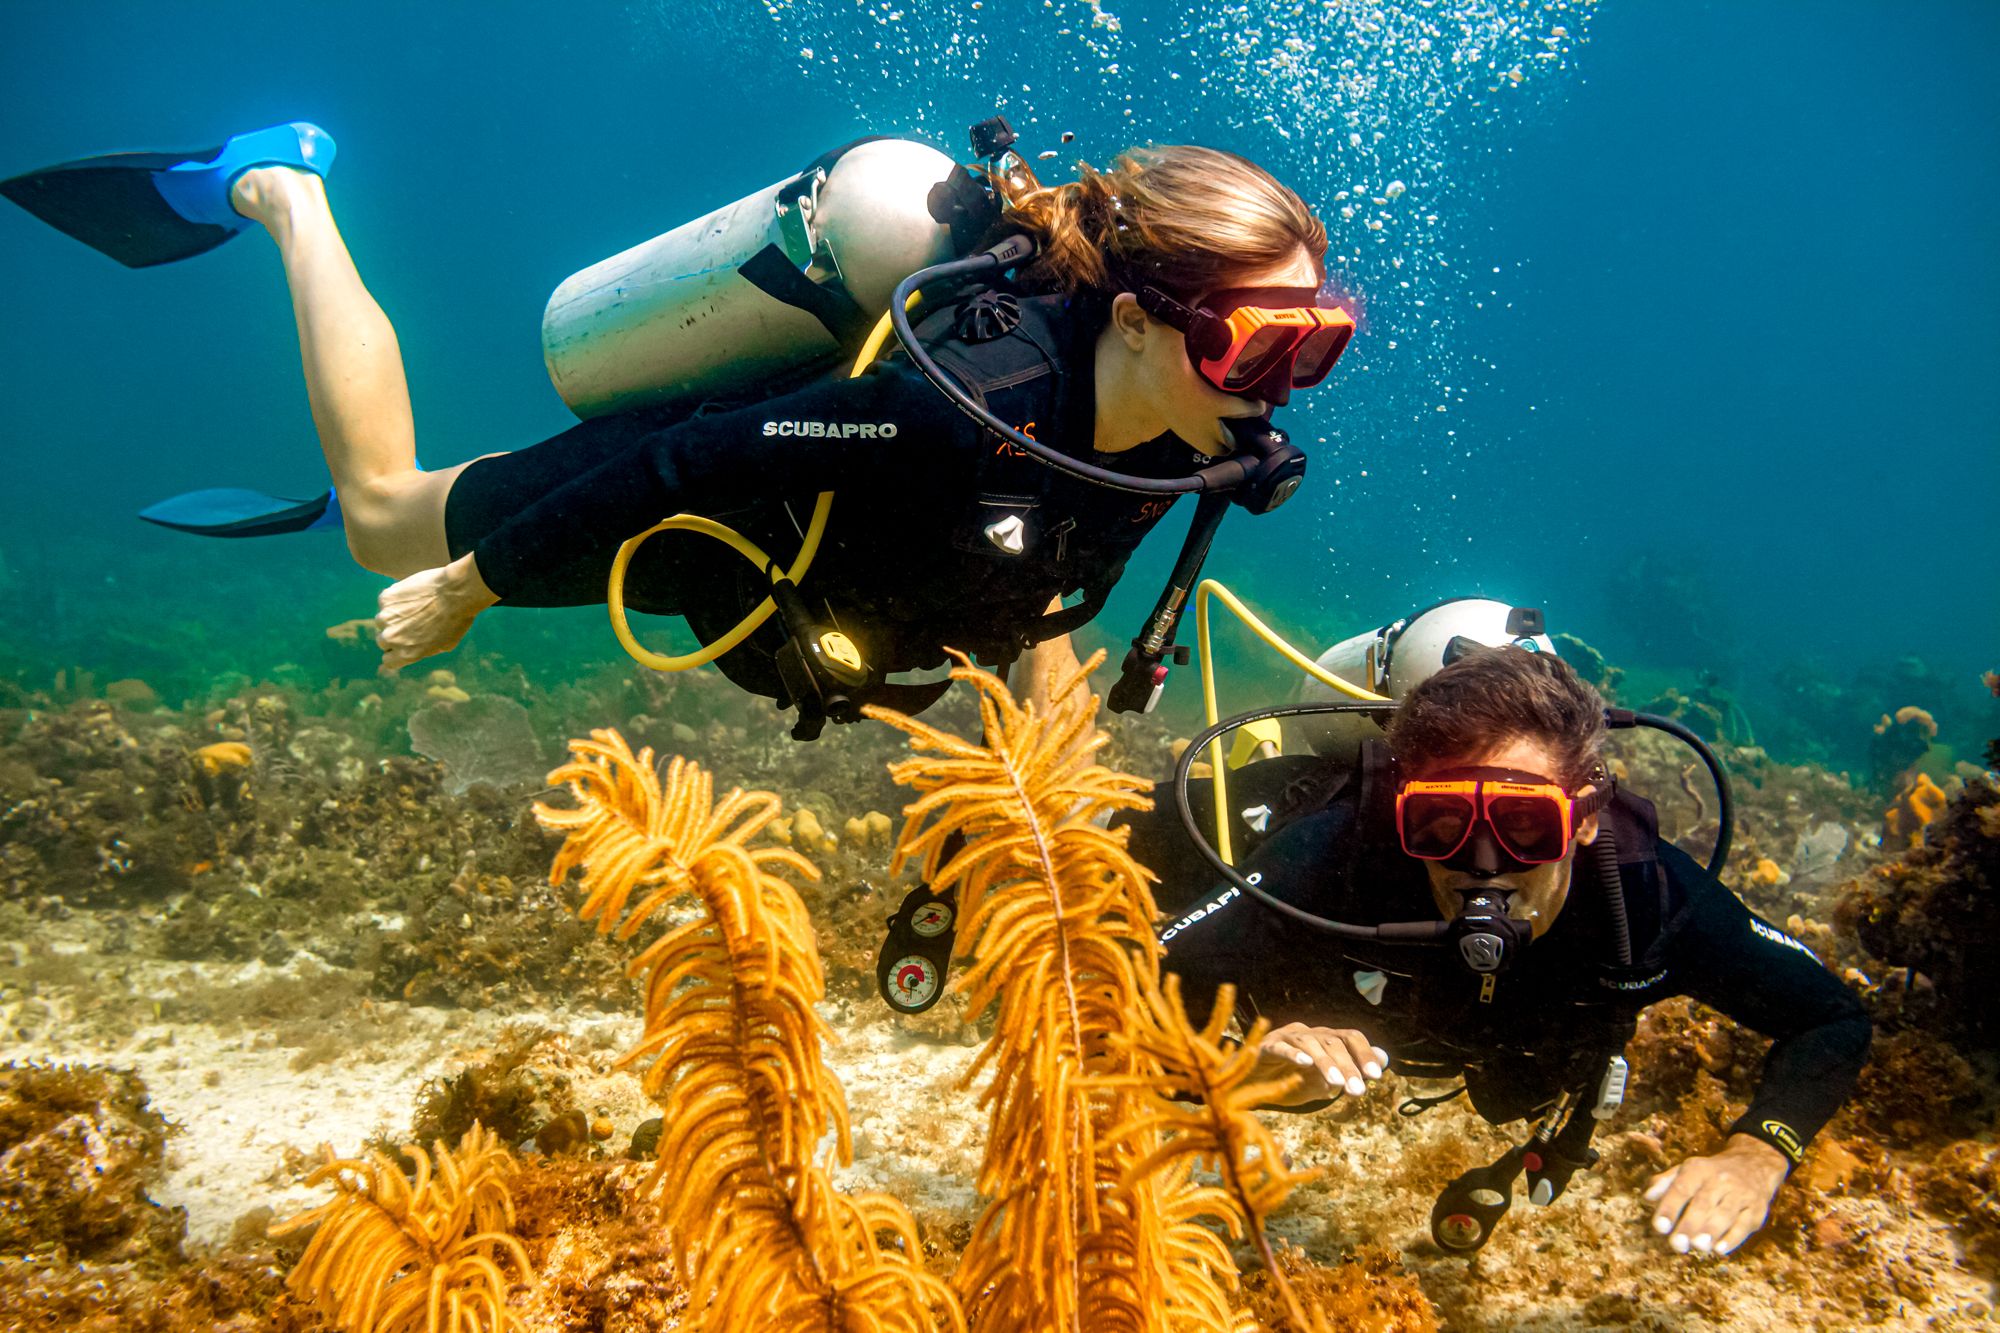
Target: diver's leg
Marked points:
394	513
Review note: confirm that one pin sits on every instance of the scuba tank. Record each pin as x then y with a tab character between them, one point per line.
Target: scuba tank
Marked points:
758	289
1393	659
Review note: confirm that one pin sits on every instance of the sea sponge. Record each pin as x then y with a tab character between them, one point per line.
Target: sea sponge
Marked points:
810	835
867	832
133	695
1766	873
1199	768
223	757
1910	716
1921	802
1902	740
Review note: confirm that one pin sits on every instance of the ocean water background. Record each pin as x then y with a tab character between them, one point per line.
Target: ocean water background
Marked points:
1677	320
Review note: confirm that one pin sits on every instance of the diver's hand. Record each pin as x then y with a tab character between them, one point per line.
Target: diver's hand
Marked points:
429	612
1328	1061
1714	1203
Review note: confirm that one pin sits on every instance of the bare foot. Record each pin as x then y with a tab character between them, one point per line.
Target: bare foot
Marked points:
273	193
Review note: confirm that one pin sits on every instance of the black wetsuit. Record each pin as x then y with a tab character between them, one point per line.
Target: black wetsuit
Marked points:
906	567
1555	1016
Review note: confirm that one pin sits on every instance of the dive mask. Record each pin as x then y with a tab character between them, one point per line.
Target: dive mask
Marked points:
1531	819
1257	342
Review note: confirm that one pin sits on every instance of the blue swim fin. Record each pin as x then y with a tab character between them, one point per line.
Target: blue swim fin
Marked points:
153	208
239	513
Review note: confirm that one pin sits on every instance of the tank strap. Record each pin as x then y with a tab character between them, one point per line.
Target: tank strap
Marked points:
772	272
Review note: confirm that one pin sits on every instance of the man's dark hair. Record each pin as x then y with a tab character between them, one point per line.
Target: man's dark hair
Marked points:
1491	696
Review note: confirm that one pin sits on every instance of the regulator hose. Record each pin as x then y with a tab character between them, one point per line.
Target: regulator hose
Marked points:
1604	851
1604	858
1225	475
1394	932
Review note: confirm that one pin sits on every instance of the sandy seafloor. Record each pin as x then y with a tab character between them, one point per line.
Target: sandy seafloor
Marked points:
245	1117
256	1063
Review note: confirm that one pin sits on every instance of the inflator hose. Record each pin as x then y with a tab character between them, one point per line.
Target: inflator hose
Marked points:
736	541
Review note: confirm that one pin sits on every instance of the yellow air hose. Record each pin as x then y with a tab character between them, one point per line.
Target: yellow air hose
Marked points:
728	536
1203	592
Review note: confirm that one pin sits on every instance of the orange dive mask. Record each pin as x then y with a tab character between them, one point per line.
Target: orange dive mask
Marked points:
1258	342
1531	818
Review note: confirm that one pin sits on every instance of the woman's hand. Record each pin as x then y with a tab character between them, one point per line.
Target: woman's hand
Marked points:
1328	1061
429	612
1713	1204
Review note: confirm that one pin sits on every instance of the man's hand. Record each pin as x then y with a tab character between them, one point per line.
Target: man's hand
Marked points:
1714	1203
429	612
1328	1061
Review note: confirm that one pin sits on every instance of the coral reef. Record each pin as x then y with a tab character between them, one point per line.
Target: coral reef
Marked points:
78	1148
331	921
1937	911
82	1245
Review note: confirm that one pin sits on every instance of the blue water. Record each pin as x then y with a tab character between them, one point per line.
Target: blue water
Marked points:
1680	324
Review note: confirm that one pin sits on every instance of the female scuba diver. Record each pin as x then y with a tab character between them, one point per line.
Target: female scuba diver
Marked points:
1158	312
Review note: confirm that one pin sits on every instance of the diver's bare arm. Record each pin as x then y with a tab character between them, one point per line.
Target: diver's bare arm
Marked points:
1041	668
430	611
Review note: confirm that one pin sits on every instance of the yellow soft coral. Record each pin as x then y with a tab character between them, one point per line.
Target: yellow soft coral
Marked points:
1094	1217
732	1042
393	1254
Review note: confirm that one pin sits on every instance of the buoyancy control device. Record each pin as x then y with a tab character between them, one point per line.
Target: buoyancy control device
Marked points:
793	274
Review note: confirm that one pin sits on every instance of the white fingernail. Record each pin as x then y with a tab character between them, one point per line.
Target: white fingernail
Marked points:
1679	1244
1662	1225
1725	1247
1372	1069
1704	1242
1355	1087
1381	1056
1301	1058
1653	1195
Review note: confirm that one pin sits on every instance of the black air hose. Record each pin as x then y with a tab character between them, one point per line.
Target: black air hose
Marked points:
1604	859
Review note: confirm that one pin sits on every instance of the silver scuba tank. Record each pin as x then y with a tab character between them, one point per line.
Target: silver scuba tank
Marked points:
1393	659
673	320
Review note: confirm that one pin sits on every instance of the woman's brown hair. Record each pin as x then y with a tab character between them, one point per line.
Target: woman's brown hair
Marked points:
1492	696
1185	219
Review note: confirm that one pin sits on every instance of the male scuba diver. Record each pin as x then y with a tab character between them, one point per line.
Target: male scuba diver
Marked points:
1477	898
1084	354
